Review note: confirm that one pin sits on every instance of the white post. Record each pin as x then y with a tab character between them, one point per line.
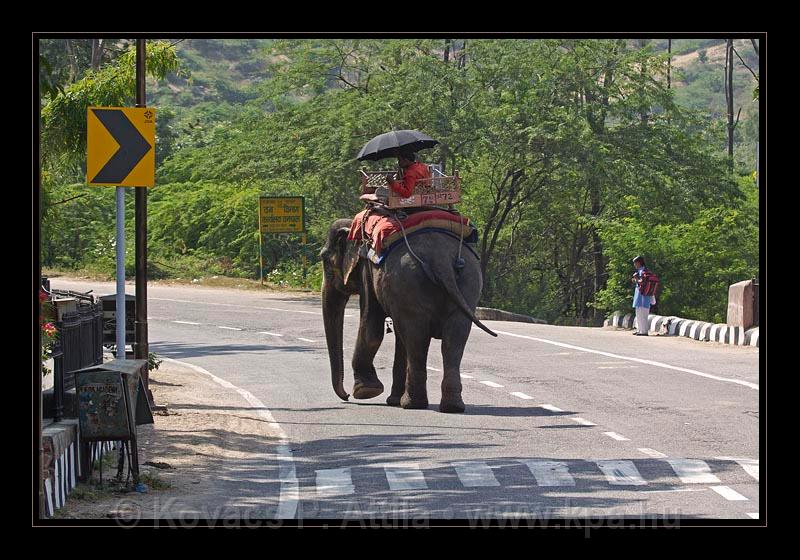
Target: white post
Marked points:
120	312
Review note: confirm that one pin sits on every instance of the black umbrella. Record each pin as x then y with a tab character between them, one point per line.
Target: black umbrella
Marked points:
388	144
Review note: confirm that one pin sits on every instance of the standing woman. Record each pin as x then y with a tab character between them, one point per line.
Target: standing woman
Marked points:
641	302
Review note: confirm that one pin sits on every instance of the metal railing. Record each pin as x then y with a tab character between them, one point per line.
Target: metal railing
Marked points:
79	345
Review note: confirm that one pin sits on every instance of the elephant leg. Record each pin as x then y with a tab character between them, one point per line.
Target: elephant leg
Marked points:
416	342
370	336
399	372
454	339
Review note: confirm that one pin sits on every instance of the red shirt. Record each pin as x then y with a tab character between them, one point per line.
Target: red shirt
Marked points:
411	175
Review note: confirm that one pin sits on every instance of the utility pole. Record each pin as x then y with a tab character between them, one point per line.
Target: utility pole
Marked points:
142	348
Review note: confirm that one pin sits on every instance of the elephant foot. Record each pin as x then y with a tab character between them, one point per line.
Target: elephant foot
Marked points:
452	404
393	400
367	391
414	404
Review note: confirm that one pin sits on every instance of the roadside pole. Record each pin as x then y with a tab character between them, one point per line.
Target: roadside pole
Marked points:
260	248
142	347
120	311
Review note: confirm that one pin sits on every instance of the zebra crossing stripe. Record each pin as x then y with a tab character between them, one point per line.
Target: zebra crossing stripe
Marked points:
750	466
475	474
406	476
621	473
550	473
693	471
334	482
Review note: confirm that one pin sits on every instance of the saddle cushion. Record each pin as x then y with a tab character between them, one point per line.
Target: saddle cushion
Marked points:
384	230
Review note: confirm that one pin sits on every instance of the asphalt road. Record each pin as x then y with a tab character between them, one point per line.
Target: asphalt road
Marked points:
560	421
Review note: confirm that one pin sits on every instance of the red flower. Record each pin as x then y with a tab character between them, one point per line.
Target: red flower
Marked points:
42	296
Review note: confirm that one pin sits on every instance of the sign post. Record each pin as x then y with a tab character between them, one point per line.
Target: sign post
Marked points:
142	348
280	214
120	153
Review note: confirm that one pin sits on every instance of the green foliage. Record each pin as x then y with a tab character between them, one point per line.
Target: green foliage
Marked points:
64	116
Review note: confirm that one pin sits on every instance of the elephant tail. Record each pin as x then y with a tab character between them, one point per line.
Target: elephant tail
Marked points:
447	279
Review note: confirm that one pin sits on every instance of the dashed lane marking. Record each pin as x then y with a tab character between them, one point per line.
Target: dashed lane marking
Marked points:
305	339
651	452
269	333
551	408
729	493
229	328
616	436
522	395
187	323
583	421
492	384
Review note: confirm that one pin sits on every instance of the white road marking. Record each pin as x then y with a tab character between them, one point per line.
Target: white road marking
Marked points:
269	333
229	328
729	493
187	322
652	452
638	360
433	368
492	384
616	436
465	376
753	515
672	490
550	473
583	421
237	305
305	339
693	471
551	408
522	395
405	476
287	474
334	482
621	473
475	474
750	466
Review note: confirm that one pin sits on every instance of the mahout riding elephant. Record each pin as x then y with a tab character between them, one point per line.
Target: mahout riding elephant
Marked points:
437	303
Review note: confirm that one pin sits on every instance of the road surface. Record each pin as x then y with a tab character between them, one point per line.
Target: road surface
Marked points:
560	421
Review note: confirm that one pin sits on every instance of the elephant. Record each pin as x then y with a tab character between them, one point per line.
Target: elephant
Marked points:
436	299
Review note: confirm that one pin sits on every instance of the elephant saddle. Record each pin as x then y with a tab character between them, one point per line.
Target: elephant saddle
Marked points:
383	229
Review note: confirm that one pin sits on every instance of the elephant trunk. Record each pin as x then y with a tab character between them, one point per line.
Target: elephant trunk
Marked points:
333	305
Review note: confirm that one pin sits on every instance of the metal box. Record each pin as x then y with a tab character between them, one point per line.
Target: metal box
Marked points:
110	319
112	400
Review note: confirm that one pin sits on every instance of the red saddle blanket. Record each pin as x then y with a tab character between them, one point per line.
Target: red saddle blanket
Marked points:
385	230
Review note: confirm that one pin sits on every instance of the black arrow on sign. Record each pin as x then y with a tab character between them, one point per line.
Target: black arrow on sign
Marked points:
132	146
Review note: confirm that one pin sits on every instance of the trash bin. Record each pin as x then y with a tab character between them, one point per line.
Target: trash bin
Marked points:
109	303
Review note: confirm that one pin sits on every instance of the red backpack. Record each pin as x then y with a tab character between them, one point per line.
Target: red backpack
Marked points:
649	283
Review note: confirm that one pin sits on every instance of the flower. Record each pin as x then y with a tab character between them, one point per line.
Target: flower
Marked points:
49	329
